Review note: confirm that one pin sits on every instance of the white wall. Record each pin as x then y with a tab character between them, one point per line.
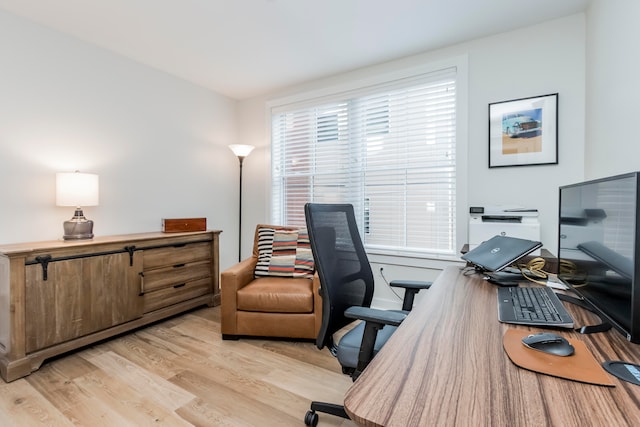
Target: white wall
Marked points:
158	143
613	88
538	60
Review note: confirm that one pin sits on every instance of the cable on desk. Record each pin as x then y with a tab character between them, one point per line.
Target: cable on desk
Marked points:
534	271
570	269
469	270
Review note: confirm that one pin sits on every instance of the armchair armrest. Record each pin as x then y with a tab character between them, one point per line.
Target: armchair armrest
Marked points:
238	275
231	280
411	288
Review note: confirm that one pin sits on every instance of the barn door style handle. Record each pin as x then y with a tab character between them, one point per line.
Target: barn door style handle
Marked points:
44	260
130	250
141	283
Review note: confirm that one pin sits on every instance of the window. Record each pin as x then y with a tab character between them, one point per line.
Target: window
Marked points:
389	150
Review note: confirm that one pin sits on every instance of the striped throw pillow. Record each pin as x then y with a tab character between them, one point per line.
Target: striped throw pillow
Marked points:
284	253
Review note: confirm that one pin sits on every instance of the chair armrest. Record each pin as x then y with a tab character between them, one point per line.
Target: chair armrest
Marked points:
231	280
382	317
411	288
238	275
410	284
374	321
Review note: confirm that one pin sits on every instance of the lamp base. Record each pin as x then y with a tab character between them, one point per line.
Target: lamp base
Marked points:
78	227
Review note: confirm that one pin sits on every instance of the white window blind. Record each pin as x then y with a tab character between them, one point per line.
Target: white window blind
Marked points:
389	150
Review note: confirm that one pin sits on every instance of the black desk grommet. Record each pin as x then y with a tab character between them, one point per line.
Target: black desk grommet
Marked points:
626	371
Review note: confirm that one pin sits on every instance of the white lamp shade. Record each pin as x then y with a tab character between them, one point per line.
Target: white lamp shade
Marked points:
241	150
76	189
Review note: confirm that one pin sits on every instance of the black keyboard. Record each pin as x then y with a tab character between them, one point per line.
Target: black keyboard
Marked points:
536	306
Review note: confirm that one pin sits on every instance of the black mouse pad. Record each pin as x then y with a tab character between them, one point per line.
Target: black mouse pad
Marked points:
626	371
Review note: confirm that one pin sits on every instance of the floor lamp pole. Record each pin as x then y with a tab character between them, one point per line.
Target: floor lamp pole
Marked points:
240	158
241	151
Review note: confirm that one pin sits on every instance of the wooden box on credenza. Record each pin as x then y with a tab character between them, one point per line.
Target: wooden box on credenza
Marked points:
178	225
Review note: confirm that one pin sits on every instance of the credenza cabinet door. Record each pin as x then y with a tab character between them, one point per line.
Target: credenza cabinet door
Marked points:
80	296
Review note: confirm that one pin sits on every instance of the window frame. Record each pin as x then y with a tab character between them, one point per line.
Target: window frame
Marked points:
355	82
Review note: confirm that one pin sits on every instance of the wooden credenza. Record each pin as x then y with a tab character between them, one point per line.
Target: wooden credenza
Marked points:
57	296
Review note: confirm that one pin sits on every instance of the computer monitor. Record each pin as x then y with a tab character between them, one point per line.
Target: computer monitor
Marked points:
598	244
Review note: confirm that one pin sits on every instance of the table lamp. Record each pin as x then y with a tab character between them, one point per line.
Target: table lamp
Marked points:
77	189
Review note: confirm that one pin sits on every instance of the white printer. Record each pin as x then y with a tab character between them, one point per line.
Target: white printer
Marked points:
512	221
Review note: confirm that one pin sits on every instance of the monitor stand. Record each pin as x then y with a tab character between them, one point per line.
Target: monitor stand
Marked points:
590	329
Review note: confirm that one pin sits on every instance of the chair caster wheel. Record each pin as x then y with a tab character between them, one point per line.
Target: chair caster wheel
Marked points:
311	419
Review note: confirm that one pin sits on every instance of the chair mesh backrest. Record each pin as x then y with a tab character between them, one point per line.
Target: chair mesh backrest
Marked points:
345	274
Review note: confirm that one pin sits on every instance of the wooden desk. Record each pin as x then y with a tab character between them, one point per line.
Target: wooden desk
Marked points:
445	366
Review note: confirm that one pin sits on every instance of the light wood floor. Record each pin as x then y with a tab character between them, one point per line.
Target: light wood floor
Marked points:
178	373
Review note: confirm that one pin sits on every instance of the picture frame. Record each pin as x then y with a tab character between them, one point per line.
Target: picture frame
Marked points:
524	131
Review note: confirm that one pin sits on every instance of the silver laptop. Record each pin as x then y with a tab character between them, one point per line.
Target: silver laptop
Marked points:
500	252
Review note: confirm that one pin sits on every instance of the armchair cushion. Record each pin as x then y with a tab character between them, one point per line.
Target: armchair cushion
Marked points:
284	253
274	295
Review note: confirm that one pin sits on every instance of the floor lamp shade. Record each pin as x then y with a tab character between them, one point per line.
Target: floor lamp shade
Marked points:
241	150
77	189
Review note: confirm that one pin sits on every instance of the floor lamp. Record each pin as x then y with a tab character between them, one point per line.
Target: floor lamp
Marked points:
241	151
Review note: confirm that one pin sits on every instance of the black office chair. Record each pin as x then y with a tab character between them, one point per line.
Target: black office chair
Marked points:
346	287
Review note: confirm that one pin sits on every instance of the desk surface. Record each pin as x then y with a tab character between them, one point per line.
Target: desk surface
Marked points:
446	366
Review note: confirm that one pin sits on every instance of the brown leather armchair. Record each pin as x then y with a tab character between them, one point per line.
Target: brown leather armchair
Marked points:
268	306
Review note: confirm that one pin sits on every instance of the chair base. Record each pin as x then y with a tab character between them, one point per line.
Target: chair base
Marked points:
311	417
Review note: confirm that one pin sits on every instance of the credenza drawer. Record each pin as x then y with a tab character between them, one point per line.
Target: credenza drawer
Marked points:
175	275
172	295
173	255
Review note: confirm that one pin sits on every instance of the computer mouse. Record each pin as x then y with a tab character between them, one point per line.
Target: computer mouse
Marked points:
550	343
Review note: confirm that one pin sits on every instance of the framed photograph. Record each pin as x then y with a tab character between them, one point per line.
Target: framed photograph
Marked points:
524	132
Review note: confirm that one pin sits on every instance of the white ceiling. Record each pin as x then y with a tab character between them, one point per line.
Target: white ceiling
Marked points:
245	48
